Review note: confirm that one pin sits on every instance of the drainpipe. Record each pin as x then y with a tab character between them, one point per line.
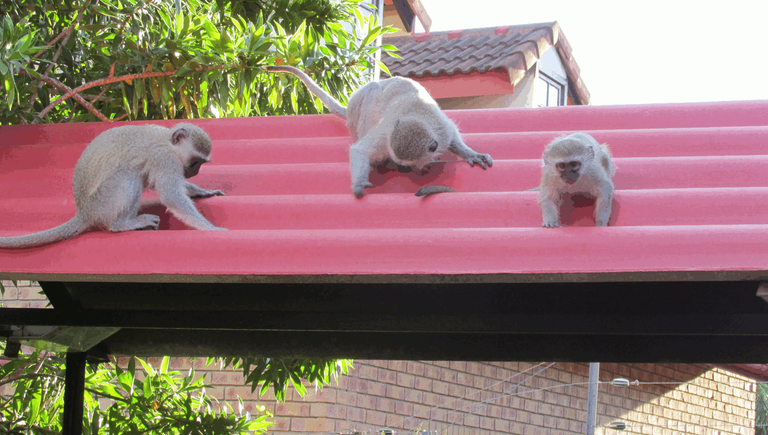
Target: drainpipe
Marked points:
594	378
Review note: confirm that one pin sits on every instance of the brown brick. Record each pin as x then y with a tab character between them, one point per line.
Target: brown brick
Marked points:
472	420
403	408
226	378
486	423
423	384
367	402
397	393
415	368
473	368
449	376
440	387
281	424
356	414
30	294
232	393
432	372
292	409
375	418
366	372
328	410
347	397
387	376
405	380
11	292
313	425
385	405
325	395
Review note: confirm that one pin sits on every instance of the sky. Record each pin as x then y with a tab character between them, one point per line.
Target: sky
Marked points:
642	52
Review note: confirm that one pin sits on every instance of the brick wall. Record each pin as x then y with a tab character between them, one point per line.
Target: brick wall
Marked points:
458	398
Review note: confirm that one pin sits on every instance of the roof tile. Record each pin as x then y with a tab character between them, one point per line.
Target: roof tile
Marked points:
516	48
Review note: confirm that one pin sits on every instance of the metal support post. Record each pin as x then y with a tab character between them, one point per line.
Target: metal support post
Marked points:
594	378
74	390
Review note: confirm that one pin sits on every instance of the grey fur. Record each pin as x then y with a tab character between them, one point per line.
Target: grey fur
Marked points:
393	119
587	168
114	170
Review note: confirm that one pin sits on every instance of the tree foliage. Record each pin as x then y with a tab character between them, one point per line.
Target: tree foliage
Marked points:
135	400
154	59
262	373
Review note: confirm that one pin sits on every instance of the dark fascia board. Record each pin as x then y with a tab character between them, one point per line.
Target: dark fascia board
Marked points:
407	16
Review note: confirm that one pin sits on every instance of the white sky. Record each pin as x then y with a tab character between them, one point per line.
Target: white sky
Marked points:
642	52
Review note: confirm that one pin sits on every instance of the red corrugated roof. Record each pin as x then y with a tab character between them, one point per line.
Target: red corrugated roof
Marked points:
691	195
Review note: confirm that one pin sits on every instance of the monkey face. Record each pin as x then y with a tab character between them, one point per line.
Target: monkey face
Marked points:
412	144
569	171
192	167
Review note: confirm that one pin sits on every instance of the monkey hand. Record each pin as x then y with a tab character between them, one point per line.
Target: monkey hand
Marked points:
358	188
480	159
550	224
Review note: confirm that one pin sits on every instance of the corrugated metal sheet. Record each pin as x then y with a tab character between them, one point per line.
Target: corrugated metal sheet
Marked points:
692	191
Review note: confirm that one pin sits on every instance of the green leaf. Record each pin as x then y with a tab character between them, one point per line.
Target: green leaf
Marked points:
164	365
147	368
372	35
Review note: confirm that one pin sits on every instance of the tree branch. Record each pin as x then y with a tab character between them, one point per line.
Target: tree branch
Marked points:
68	91
107	396
37	86
112	79
30	376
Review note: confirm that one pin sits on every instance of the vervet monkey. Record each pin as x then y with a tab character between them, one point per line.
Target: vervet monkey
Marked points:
576	164
114	170
393	119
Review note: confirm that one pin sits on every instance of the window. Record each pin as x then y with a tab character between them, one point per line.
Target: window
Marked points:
548	92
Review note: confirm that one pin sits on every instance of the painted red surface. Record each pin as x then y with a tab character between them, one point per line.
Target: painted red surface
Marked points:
692	195
493	82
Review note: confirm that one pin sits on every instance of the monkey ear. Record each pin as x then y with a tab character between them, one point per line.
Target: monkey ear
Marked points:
590	153
433	146
179	135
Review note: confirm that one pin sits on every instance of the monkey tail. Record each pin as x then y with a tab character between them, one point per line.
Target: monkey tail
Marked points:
71	228
431	190
331	103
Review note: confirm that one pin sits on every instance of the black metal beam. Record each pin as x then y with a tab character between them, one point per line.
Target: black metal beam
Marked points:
59	296
74	390
708	324
458	347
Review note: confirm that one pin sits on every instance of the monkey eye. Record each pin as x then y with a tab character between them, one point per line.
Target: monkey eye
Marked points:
575	165
561	166
433	146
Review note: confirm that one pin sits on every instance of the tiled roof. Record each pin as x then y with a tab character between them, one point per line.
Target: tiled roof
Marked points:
514	48
692	191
